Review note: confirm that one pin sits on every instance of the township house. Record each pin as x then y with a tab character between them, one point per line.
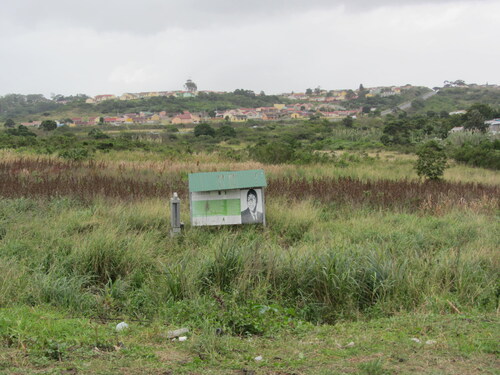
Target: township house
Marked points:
186	118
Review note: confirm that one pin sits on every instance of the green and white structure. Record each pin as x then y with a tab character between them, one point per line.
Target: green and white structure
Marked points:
227	198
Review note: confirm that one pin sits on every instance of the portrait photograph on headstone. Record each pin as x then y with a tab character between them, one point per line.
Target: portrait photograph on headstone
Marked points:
251	206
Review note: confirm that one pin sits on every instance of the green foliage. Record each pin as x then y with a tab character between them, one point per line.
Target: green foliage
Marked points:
9	123
190	86
408	130
204	129
75	154
226	131
373	368
475	121
431	161
251	318
486	111
348	122
21	131
396	132
14	105
48	125
172	129
417	104
98	134
450	99
486	154
273	153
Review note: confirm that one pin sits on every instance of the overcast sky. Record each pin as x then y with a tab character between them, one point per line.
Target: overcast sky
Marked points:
116	46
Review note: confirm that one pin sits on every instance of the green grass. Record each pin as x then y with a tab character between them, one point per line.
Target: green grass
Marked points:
47	341
325	263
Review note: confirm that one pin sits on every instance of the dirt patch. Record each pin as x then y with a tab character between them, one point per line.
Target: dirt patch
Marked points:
173	356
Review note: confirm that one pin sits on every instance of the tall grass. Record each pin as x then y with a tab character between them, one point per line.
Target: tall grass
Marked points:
47	177
362	166
320	263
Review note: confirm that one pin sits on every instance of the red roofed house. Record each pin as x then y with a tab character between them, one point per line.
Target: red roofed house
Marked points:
186	118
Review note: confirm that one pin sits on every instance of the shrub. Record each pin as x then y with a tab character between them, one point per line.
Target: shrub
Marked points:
204	129
273	153
48	125
21	131
98	134
431	161
226	131
486	154
75	154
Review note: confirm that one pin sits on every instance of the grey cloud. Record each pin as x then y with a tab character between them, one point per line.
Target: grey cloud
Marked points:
150	16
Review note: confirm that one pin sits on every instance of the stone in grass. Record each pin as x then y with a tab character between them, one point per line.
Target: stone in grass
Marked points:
431	342
121	326
176	333
414	339
259	358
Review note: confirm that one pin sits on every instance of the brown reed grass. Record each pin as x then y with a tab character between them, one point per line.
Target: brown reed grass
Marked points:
52	177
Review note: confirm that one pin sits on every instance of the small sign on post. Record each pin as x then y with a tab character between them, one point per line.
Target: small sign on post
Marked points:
175	215
227	198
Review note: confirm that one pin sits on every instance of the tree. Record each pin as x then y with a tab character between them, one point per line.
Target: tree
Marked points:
243	92
272	153
21	131
475	121
444	114
190	86
204	129
348	122
226	131
431	161
48	125
98	134
10	123
459	82
485	110
362	91
309	92
396	132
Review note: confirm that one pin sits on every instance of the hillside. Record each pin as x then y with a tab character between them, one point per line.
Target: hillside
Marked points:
28	107
460	98
24	108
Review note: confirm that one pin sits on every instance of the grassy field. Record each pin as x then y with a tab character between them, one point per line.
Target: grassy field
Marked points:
49	342
356	263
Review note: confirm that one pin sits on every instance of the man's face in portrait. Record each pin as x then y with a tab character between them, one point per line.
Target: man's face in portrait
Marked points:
251	202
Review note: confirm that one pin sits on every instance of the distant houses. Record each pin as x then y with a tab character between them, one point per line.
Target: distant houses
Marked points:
493	126
185	118
277	112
